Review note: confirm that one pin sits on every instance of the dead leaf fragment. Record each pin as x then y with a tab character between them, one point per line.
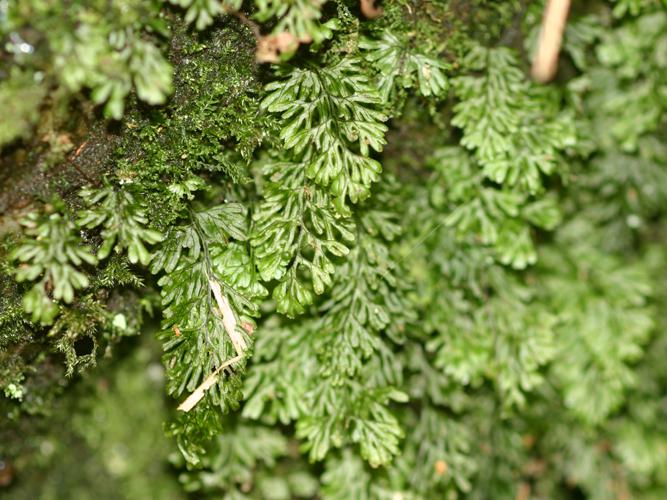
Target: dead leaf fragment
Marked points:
270	47
229	322
369	10
523	491
441	467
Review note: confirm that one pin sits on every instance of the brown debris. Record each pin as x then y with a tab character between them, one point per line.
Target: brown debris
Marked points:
528	440
199	392
228	318
6	472
535	468
80	148
441	467
270	47
369	10
523	491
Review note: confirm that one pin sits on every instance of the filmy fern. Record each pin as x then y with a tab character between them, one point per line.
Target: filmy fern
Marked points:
296	234
123	220
300	18
55	255
330	122
398	64
203	12
202	269
516	139
487	325
501	218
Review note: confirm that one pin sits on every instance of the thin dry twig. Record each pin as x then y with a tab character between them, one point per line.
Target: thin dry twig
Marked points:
229	322
551	37
228	318
199	392
254	27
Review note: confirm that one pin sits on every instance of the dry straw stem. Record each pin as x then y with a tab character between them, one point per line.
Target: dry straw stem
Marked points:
199	392
551	37
228	318
229	322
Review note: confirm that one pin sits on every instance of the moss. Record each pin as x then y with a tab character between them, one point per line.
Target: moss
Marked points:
71	148
15	334
211	126
36	365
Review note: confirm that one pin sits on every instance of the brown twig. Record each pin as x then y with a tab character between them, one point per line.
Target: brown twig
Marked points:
72	160
254	27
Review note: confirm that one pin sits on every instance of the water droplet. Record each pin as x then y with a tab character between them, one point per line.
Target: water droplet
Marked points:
18	45
26	48
634	221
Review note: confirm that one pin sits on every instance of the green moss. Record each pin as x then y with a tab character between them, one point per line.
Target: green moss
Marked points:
211	127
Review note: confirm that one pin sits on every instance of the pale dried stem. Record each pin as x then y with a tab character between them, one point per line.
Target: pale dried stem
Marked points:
228	318
229	322
551	38
199	392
